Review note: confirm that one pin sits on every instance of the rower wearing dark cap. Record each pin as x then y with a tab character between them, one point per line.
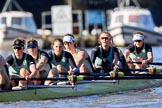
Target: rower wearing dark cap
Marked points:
41	58
21	64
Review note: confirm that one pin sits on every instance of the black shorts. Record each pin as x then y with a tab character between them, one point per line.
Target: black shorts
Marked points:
99	70
3	87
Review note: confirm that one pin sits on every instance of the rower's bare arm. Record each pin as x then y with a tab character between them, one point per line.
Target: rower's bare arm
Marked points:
81	57
126	55
33	71
150	57
41	63
116	59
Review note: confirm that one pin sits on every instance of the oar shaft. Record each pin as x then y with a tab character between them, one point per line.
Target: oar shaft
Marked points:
133	69
55	78
87	73
107	73
153	63
124	78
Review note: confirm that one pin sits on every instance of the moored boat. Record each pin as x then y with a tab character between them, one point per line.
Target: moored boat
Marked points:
126	20
14	24
80	90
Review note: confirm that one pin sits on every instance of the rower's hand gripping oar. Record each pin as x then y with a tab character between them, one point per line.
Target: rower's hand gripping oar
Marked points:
116	72
73	78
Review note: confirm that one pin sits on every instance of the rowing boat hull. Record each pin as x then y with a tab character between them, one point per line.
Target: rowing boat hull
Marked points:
88	89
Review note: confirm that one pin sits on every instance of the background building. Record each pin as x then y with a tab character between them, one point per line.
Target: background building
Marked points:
38	6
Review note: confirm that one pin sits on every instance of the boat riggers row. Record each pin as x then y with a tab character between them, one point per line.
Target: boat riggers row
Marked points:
77	78
149	73
120	76
73	80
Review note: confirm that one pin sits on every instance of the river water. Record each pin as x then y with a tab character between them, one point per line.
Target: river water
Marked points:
148	98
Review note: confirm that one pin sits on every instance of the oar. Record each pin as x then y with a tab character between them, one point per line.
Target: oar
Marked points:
81	78
124	77
25	87
87	73
153	63
54	78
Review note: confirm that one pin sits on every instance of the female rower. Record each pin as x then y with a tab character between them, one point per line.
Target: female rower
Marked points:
80	55
105	57
21	64
62	61
41	58
139	51
4	79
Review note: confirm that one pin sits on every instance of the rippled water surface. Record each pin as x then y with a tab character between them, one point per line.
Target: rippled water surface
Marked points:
150	98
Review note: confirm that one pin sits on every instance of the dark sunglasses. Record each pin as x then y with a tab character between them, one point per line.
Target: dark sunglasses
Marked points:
31	47
106	38
138	40
18	48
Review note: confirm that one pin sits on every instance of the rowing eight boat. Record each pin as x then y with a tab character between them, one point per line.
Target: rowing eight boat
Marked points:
62	91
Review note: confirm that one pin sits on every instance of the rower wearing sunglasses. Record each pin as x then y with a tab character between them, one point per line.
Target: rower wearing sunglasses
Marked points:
139	51
21	64
41	58
105	56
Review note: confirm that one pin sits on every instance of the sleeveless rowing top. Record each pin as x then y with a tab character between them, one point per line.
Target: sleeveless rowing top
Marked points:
63	61
14	69
142	54
99	60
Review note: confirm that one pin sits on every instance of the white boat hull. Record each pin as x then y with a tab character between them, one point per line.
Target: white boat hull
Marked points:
14	24
8	34
123	35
